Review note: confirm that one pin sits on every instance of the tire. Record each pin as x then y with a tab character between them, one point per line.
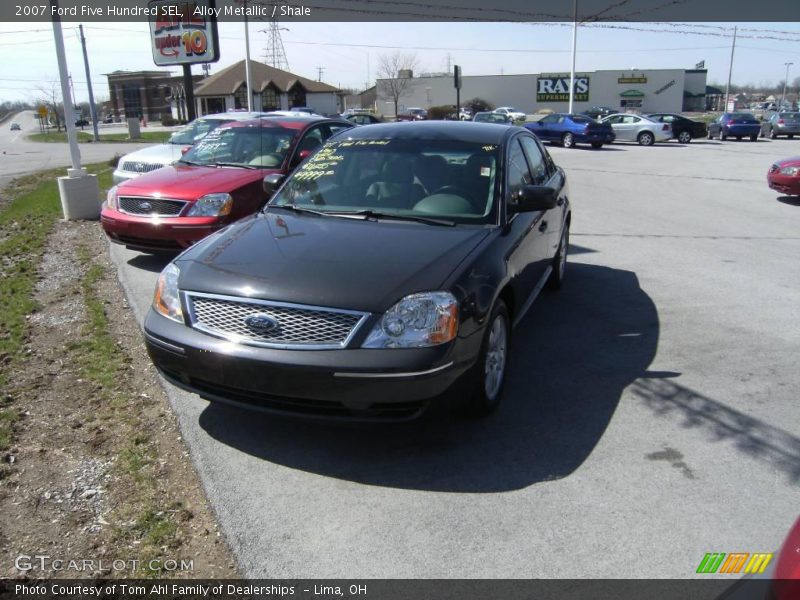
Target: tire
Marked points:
568	140
684	137
791	136
711	137
722	136
597	145
762	133
556	279
754	138
738	138
488	374
646	138
772	134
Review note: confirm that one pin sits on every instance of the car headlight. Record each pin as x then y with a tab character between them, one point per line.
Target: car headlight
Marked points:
111	198
166	300
790	171
212	205
417	321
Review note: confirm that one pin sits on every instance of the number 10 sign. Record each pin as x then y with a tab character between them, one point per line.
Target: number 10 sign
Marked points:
183	32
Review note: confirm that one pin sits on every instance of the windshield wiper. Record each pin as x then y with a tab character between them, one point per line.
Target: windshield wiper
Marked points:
373	214
296	208
193	164
230	164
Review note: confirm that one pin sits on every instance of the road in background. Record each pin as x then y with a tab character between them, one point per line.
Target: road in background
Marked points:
19	155
650	415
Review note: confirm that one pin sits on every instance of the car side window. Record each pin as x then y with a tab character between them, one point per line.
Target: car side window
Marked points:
536	162
615	119
549	119
334	128
630	119
517	173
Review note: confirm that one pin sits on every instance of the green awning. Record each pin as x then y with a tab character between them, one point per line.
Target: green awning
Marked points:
632	94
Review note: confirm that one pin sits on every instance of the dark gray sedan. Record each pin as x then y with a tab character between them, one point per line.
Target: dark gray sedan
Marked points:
784	123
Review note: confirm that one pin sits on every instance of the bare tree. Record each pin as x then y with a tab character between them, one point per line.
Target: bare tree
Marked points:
390	66
49	95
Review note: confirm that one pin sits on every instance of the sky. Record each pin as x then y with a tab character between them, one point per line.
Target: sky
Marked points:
348	53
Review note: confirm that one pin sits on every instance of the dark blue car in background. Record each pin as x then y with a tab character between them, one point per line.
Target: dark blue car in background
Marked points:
568	130
736	124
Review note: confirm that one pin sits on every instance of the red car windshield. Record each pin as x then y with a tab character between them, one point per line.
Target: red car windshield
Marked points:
247	147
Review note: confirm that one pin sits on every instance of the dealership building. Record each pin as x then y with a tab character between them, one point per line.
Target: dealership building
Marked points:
650	90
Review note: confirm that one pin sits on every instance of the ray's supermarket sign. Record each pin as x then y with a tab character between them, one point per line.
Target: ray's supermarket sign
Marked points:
183	32
555	88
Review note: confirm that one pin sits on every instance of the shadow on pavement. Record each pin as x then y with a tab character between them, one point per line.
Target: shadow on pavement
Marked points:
154	263
790	200
776	447
571	358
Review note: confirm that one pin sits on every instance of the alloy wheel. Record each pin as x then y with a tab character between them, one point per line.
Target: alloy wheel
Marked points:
494	366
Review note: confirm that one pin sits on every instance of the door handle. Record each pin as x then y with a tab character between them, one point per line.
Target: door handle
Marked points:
543	226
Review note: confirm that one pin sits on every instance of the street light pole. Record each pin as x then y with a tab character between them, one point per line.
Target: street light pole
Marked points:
574	45
785	81
730	72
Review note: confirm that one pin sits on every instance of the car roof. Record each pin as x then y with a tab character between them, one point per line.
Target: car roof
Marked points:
233	116
285	122
461	131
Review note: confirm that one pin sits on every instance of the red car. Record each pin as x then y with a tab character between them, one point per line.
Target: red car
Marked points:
219	180
784	176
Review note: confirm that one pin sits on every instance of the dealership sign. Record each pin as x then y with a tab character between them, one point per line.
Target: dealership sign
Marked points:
183	32
555	88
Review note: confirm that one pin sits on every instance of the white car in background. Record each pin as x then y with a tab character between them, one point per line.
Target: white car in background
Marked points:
636	128
510	111
154	157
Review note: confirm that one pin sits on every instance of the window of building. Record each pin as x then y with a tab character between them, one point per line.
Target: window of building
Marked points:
270	100
240	97
297	96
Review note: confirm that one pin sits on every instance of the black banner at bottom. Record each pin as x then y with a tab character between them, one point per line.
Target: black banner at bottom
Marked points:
400	589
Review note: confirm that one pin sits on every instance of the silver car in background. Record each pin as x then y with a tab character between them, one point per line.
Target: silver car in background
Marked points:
636	128
782	123
160	155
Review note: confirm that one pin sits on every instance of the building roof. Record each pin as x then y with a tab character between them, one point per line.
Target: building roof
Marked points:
227	81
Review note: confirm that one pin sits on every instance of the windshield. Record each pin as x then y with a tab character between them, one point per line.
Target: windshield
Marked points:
195	131
412	178
249	146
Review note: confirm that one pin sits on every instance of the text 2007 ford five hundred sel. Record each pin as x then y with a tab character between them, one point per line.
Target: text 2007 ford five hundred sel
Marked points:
391	264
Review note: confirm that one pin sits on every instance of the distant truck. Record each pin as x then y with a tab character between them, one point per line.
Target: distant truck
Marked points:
413	114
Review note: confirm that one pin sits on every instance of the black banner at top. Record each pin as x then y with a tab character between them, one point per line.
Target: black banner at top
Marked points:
589	11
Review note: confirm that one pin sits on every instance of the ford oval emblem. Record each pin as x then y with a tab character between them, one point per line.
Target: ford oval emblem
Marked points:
261	322
145	206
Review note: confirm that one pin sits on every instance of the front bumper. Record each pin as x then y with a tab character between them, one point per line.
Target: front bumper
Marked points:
353	384
156	234
784	184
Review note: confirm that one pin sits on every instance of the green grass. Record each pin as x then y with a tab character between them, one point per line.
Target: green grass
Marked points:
25	224
155	137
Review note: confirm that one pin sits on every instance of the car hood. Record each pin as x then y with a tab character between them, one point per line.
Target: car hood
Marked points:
161	153
185	182
326	261
788	162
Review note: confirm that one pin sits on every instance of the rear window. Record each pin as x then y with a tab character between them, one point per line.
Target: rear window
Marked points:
743	116
581	119
789	117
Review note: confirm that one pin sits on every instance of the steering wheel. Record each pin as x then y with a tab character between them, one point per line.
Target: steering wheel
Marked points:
453	190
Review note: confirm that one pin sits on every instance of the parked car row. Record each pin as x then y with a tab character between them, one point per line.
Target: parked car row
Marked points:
390	264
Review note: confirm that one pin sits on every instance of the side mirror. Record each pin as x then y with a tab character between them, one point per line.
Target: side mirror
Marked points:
532	198
185	149
272	182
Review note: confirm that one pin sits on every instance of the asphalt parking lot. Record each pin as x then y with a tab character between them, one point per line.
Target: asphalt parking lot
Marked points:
650	414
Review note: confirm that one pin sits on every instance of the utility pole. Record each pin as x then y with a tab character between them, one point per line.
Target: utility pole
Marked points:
320	70
248	74
785	81
72	89
80	196
92	108
730	72
574	47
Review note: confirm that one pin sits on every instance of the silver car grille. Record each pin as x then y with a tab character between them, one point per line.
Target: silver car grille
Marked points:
150	206
137	166
293	326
